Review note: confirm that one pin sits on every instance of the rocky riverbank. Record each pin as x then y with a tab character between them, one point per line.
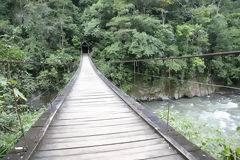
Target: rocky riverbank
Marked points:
159	90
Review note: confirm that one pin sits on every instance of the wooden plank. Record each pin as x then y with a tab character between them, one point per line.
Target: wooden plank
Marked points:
92	143
74	105
90	90
112	99
95	123
97	106
98	111
89	95
93	139
126	154
88	142
95	149
87	126
86	92
90	120
133	153
92	103
110	96
92	114
69	129
94	106
92	132
91	117
94	109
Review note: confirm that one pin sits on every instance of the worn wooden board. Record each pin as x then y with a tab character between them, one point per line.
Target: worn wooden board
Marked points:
86	110
89	132
97	114
97	149
127	154
81	142
94	123
101	137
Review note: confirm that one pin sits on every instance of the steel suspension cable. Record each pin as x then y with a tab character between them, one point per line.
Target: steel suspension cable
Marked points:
180	57
181	80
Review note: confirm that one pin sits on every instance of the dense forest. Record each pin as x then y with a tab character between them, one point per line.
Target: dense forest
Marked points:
148	29
53	31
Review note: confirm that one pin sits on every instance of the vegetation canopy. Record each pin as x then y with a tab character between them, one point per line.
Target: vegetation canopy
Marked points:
53	31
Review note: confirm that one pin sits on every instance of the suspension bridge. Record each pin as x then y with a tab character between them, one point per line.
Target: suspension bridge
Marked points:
93	119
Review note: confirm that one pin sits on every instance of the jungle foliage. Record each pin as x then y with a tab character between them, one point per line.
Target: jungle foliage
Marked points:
53	31
130	29
43	31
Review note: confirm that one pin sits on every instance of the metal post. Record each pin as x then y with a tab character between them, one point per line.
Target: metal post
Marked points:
9	73
121	74
134	71
17	108
137	66
169	89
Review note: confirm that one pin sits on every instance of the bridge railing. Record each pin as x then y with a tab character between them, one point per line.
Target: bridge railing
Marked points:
229	149
170	114
17	113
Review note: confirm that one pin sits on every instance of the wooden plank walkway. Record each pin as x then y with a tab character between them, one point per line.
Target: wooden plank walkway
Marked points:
94	123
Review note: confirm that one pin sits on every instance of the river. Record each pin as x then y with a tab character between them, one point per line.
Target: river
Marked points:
218	110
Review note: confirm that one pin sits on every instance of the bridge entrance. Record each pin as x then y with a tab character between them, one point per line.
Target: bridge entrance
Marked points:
85	48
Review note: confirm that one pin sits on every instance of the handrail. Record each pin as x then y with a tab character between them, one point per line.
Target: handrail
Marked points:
32	62
148	117
135	62
180	57
25	145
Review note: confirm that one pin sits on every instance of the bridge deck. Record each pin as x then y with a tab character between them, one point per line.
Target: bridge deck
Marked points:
94	123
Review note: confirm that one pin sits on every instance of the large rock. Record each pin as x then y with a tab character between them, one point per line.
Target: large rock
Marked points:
159	90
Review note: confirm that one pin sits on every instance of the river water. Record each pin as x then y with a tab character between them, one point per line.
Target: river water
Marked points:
39	100
217	110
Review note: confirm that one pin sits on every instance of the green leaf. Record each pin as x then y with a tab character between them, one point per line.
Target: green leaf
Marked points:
238	128
238	150
19	94
3	82
203	143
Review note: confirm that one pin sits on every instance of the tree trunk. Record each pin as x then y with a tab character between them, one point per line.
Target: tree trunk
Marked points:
21	8
163	17
218	6
62	37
